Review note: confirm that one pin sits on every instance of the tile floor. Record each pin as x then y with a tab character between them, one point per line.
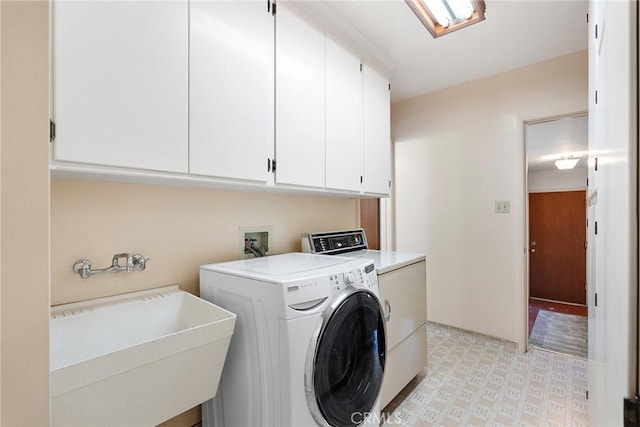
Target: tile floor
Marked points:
474	380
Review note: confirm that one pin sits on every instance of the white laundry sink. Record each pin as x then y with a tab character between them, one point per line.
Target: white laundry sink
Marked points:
135	359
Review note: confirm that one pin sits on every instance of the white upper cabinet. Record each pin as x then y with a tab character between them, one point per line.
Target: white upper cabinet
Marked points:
231	89
120	83
215	92
344	115
377	133
300	95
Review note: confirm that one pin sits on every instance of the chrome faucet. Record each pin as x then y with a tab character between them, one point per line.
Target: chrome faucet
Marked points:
133	262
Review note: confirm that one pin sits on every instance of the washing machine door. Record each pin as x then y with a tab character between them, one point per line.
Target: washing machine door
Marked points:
346	359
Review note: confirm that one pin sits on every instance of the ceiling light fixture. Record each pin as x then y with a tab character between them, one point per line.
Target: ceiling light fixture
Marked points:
442	17
566	163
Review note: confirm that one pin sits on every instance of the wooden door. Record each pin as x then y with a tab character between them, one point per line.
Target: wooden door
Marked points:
557	254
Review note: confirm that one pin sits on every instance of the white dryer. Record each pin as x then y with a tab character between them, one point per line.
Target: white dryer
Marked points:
309	344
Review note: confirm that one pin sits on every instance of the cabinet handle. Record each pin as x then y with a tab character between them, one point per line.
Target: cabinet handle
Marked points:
387	306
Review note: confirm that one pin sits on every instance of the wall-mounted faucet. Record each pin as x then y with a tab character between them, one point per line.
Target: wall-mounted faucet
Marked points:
134	262
250	247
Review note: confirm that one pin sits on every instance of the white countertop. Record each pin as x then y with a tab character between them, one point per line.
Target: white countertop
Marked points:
386	261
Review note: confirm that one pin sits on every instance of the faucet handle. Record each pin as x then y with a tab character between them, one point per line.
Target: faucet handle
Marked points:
139	262
83	268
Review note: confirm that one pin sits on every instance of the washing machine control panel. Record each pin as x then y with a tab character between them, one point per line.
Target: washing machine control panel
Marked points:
362	277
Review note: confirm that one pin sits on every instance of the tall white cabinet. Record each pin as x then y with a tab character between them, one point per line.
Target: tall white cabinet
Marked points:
377	133
344	115
231	60
120	82
300	125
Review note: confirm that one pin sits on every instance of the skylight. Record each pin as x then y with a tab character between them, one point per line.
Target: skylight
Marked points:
442	17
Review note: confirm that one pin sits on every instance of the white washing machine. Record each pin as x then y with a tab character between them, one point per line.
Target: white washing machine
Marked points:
309	343
402	286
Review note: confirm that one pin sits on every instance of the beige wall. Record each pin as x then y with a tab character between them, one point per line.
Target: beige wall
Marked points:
179	228
457	151
24	213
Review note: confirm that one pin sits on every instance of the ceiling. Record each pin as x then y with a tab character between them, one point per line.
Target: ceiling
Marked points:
515	33
552	140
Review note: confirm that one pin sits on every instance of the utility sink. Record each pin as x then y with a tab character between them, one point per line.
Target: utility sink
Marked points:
135	359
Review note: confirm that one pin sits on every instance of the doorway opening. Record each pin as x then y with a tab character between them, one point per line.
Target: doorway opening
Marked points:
556	227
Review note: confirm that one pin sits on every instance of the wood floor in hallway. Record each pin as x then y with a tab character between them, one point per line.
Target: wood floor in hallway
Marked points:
535	305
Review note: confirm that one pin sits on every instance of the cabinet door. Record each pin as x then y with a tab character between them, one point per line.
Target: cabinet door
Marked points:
231	88
120	83
344	125
300	151
377	133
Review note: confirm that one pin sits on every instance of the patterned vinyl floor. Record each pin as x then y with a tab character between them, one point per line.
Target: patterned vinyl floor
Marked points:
474	380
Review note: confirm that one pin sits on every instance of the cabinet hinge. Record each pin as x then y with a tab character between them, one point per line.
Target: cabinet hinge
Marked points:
595	299
596	31
271	165
631	412
52	130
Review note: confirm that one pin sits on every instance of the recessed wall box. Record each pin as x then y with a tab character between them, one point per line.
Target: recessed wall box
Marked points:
255	241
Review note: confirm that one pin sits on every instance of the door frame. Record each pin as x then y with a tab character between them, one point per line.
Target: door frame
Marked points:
523	122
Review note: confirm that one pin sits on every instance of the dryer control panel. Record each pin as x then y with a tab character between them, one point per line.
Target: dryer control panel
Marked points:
334	242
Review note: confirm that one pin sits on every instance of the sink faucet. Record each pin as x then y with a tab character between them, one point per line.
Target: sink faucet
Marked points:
133	262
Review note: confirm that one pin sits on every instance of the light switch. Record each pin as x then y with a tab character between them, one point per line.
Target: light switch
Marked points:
503	206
